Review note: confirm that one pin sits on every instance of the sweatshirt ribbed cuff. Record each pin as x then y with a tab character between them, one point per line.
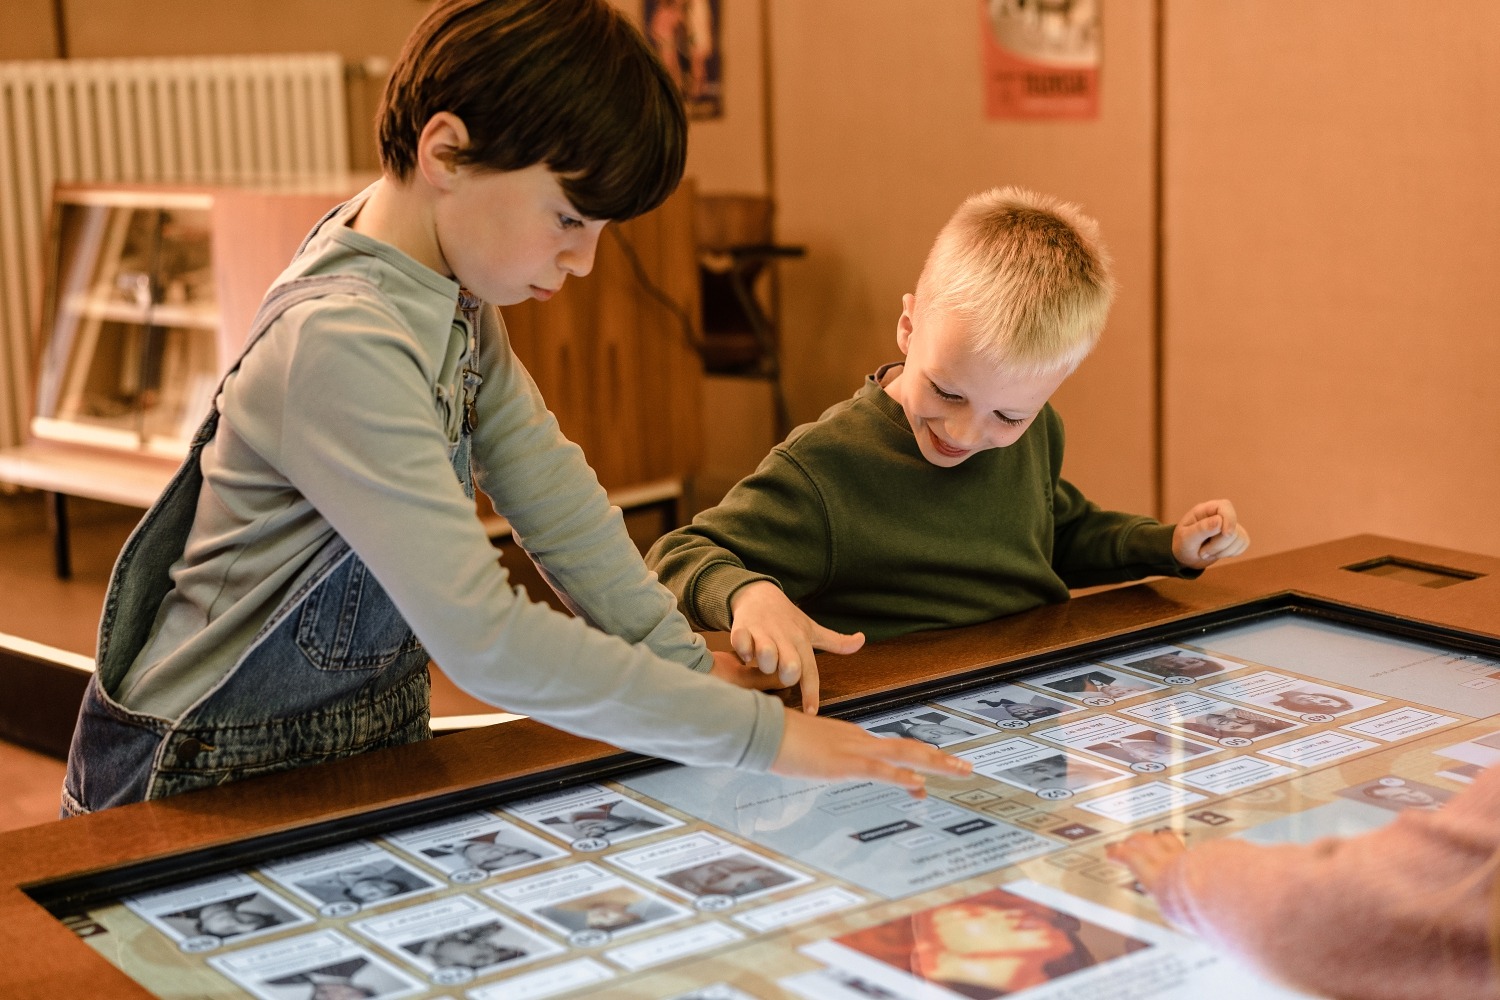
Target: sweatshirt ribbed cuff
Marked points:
1149	545
711	592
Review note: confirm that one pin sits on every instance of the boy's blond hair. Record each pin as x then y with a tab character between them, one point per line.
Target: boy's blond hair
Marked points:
1029	275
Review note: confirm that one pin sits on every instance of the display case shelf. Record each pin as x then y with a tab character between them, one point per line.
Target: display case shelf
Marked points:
130	352
145	303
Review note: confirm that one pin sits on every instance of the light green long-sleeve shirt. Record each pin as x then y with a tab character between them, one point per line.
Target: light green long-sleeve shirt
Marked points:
339	424
865	535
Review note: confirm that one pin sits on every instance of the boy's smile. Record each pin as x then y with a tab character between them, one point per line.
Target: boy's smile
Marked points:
958	403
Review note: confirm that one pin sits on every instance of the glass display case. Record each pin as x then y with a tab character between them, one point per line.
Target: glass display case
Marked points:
130	356
1286	699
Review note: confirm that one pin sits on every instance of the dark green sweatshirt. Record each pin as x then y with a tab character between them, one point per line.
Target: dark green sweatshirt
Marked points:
865	535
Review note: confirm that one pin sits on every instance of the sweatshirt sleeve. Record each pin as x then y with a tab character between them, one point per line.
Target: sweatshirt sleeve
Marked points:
1398	913
1092	546
773	525
358	439
560	514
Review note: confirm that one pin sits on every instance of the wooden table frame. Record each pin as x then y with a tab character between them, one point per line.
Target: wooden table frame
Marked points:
314	806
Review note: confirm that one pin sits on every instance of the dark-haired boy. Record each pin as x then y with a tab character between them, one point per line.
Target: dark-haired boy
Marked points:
279	604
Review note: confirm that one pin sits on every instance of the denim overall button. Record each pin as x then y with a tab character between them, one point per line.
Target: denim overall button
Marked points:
188	749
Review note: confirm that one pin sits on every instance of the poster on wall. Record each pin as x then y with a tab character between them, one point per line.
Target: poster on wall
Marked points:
685	34
1040	58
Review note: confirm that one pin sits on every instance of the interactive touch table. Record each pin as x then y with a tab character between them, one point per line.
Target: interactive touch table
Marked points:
1282	699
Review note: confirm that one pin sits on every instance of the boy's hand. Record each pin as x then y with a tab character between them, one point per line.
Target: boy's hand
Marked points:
772	634
1147	855
728	667
1207	533
842	751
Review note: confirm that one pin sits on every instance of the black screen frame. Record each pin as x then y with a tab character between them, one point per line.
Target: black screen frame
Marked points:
69	895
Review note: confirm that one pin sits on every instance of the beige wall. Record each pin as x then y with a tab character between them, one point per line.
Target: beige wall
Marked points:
28	30
1333	227
880	133
354	28
727	155
1331	221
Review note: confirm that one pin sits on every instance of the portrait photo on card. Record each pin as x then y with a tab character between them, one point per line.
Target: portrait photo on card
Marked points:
1009	703
1230	721
928	725
1398	794
234	919
499	850
204	914
455	937
1057	771
350	979
1092	682
481	948
365	884
1294	695
592	814
615	910
1148	746
992	944
736	875
1172	663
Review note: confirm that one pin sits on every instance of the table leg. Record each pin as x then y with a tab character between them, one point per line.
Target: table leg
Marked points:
60	547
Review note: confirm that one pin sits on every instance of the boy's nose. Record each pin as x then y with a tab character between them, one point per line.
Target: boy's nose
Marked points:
969	433
578	259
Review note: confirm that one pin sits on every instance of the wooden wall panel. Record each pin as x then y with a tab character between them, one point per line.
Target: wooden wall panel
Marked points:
255	235
880	133
1332	228
611	360
670	383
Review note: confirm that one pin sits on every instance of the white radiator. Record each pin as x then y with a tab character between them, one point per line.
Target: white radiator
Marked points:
226	120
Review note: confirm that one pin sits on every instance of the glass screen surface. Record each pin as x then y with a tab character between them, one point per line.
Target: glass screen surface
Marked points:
692	883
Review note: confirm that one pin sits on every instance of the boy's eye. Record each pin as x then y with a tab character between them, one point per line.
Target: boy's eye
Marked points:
568	222
1010	421
942	393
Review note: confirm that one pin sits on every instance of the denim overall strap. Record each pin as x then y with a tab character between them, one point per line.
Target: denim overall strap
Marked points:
158	540
357	676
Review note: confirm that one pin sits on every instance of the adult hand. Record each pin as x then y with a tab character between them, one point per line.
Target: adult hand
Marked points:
1207	533
841	751
772	633
1148	855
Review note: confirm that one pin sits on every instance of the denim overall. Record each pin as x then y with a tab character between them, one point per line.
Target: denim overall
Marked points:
335	671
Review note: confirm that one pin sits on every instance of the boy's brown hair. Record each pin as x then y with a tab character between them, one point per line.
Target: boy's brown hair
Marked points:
568	83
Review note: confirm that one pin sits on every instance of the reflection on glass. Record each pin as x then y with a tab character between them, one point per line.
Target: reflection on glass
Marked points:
130	355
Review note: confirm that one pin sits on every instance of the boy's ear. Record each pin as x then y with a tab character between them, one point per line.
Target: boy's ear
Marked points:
904	324
442	137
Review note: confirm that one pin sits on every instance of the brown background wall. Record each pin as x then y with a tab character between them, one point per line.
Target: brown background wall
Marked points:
1333	228
880	133
1329	223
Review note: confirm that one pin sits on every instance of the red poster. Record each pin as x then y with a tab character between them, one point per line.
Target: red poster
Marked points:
1041	58
685	34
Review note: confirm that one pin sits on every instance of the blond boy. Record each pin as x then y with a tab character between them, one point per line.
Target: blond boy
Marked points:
934	498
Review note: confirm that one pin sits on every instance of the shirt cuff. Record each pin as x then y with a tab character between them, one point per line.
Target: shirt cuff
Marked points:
715	585
765	738
1150	546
